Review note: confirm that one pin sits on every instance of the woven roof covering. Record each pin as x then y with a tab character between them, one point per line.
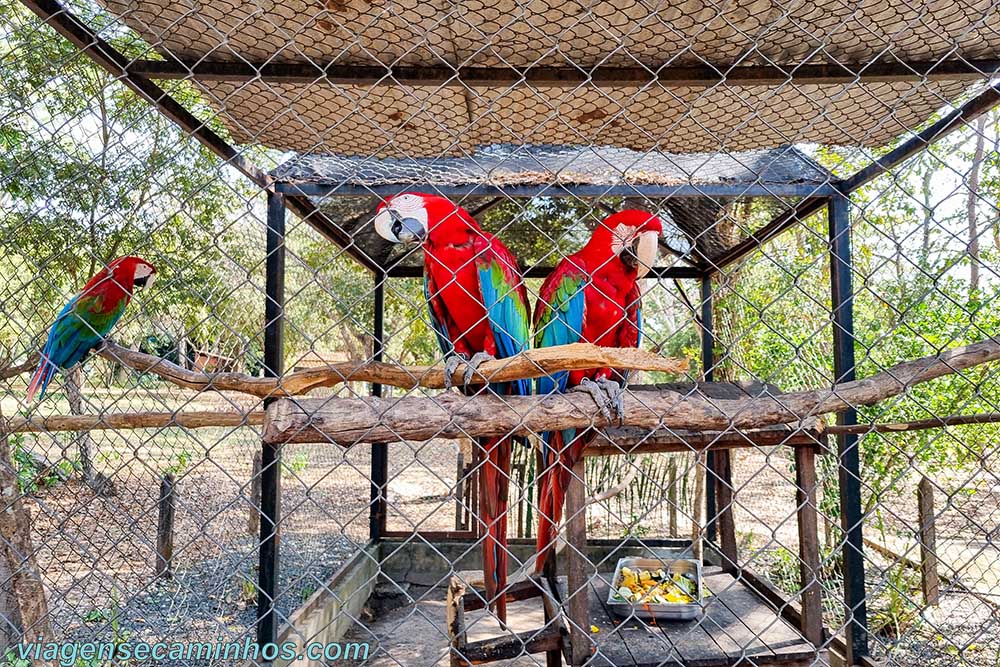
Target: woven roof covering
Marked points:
692	220
395	120
511	165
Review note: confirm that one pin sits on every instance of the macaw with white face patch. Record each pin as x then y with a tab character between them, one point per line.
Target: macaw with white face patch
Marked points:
592	296
479	310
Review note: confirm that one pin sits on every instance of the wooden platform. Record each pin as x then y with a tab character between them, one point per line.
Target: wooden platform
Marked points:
737	628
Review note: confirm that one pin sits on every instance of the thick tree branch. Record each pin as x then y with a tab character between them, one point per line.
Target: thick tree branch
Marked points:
191	419
348	421
531	364
918	425
28	364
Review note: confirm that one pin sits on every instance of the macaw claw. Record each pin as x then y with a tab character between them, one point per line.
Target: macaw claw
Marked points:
608	395
451	365
474	363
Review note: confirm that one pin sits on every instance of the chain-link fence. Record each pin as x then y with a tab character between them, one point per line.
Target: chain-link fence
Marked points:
321	421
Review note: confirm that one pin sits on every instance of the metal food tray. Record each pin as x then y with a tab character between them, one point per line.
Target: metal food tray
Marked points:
658	612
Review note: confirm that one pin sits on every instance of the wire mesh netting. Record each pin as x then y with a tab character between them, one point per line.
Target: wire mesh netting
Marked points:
290	293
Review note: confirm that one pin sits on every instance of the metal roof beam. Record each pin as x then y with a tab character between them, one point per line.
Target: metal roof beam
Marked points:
569	77
721	190
403	271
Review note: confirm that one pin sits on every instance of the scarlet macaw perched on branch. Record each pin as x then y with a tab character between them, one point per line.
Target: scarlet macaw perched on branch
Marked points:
479	310
89	317
592	296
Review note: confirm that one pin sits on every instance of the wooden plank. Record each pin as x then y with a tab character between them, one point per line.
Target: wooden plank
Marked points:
521	590
509	646
725	498
615	640
631	440
167	508
809	550
929	579
578	572
754	626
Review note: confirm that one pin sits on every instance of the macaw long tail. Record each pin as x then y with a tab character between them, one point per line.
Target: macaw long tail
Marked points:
555	481
494	486
549	511
40	380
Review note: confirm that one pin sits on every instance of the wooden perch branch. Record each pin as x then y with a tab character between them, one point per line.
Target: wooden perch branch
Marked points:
29	364
190	419
530	364
348	421
918	425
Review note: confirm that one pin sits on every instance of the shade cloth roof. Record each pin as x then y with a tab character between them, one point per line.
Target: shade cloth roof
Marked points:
692	221
512	165
394	120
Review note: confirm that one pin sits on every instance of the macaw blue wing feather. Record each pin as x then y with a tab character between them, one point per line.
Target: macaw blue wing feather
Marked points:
560	322
508	317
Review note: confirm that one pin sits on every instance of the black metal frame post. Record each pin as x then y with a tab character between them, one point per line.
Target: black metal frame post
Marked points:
270	468
842	305
380	451
707	373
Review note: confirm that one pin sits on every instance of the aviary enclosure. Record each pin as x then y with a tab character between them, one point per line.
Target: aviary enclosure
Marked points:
263	449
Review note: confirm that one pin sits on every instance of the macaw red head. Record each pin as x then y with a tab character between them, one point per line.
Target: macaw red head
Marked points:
127	273
632	236
417	218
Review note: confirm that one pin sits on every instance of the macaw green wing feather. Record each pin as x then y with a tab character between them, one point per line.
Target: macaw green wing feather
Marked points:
559	319
506	307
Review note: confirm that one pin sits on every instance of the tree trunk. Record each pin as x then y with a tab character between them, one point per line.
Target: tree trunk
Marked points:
100	483
22	602
83	442
972	201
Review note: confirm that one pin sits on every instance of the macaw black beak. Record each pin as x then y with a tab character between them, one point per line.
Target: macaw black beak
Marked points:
640	254
142	282
407	230
629	255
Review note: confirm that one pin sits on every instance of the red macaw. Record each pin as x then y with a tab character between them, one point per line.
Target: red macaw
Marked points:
89	316
479	309
592	296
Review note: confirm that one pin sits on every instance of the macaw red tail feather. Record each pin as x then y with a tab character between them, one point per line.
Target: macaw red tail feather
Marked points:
549	512
552	492
40	380
494	487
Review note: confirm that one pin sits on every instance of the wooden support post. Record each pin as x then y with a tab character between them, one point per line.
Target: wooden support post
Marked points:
929	579
459	491
456	621
724	504
672	497
698	505
579	565
270	460
165	526
809	554
253	517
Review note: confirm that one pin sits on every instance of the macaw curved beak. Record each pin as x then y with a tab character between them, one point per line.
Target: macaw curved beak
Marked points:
145	282
407	230
641	253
